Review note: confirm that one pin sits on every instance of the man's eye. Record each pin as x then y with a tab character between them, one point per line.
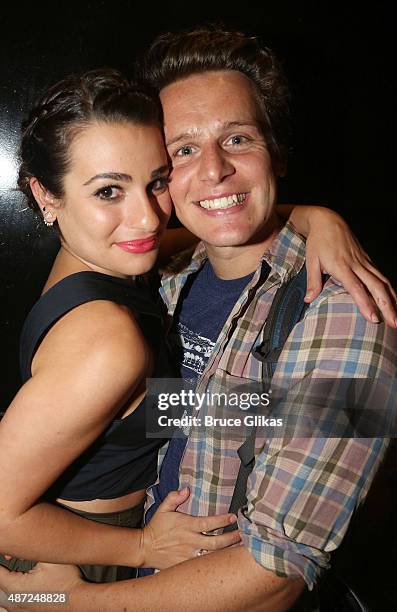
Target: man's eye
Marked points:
184	151
237	139
160	184
110	192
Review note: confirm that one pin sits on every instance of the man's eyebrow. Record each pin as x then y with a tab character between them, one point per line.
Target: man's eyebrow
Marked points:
183	136
225	126
232	124
113	176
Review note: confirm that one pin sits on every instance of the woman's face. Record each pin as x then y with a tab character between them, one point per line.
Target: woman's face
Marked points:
116	202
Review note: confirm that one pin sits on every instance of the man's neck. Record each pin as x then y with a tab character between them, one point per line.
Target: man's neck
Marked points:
238	261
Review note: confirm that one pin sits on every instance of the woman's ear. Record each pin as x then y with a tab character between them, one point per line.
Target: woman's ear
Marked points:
45	200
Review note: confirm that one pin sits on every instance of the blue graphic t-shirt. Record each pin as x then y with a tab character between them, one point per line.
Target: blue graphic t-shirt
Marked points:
205	304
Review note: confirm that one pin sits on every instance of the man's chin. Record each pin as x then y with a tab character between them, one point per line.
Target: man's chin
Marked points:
226	241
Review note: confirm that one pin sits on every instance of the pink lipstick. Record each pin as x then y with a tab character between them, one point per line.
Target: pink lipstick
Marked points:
140	245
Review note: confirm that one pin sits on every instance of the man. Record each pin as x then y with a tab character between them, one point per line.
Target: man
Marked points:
225	104
225	134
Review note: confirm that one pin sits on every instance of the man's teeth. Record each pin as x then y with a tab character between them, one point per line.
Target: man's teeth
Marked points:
226	202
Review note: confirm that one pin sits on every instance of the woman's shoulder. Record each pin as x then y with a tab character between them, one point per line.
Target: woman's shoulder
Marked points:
86	309
99	334
71	292
101	320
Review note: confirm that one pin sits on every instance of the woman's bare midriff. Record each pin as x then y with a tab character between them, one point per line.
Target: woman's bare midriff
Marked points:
106	505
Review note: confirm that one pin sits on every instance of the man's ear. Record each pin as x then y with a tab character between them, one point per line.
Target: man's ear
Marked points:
46	201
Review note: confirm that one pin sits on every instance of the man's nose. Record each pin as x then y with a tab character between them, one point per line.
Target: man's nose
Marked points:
215	165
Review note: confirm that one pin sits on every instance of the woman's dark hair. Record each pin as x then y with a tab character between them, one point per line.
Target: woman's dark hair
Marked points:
68	107
174	56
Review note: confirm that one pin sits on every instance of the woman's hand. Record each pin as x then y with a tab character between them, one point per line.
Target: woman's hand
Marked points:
172	537
332	248
44	578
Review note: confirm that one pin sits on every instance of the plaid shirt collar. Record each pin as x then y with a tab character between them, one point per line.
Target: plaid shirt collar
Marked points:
285	257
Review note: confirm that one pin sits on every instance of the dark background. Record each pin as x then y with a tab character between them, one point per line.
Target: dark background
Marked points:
340	62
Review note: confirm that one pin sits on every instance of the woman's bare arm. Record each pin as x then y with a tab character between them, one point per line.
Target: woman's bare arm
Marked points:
228	580
81	378
332	248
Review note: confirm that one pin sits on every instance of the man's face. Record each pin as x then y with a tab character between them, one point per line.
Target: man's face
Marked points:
223	185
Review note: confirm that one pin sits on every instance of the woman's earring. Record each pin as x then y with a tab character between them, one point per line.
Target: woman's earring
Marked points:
48	218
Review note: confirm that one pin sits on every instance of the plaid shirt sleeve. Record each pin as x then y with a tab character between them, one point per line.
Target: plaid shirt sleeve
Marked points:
303	490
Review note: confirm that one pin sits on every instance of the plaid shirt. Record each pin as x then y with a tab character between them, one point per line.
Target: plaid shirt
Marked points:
302	491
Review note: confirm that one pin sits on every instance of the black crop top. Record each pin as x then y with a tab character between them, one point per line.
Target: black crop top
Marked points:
122	460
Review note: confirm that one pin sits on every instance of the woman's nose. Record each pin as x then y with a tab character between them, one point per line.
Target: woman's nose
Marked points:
143	212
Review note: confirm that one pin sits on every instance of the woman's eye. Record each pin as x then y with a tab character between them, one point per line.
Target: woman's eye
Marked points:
110	192
160	184
184	151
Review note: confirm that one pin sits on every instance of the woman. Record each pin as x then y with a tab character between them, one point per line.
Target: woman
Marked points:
94	166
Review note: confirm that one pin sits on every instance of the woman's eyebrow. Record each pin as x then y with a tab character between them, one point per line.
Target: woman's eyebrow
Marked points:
114	176
159	171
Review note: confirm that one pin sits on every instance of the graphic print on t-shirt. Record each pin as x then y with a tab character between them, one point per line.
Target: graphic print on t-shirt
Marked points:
196	349
204	306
